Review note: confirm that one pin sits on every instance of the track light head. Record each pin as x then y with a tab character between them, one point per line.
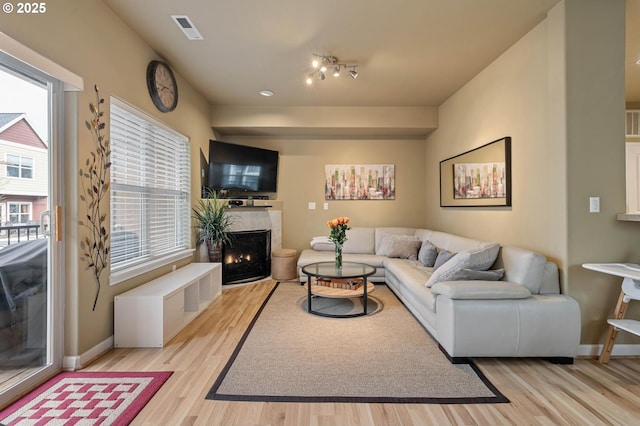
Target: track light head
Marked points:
322	63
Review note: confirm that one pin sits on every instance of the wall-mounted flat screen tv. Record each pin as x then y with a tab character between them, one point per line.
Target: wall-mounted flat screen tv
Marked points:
241	168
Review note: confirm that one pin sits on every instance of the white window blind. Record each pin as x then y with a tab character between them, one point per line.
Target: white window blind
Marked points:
150	189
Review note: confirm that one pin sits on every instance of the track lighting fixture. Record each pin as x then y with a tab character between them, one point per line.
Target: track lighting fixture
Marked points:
321	63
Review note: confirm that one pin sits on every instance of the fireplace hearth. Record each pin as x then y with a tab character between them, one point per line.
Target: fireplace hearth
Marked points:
248	258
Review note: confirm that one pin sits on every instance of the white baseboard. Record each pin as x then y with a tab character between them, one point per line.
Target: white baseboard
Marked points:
618	350
77	362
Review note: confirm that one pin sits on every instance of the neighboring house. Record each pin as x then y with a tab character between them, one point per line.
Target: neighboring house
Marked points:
23	171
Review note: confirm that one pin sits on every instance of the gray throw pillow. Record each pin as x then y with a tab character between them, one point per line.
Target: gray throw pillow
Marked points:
479	260
443	257
473	275
401	246
428	254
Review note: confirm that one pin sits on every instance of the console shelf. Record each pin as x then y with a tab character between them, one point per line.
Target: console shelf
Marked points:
151	314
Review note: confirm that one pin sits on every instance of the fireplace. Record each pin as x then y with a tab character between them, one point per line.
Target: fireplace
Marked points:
248	258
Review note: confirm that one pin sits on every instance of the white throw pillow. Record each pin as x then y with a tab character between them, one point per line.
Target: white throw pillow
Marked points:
322	243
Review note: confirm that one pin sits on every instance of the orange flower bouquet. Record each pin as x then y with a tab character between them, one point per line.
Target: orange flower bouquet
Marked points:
338	236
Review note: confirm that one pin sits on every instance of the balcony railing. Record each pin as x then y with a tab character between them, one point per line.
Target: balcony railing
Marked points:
13	234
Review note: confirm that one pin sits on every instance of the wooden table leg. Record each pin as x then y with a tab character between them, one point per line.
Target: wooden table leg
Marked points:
621	310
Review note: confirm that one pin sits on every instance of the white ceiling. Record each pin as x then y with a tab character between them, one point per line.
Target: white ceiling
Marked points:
408	52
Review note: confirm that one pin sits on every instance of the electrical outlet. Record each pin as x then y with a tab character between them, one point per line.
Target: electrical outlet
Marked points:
594	204
312	205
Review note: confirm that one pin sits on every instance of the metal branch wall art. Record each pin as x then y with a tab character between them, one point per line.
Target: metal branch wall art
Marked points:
95	186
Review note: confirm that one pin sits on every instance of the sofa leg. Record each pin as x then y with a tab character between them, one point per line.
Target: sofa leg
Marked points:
562	360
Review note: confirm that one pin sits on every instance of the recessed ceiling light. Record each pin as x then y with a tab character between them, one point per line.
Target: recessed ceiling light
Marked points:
266	93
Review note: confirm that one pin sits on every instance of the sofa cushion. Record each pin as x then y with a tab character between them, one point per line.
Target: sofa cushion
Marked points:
412	274
480	290
523	267
456	243
400	246
473	275
427	254
480	260
360	240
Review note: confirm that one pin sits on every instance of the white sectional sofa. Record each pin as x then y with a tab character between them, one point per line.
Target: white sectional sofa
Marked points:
484	301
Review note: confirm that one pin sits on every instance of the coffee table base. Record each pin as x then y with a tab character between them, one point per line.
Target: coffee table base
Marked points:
338	293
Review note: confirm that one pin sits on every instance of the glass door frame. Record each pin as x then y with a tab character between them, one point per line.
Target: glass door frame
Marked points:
55	260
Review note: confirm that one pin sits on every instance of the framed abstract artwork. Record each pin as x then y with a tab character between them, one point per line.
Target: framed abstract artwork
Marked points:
478	178
359	182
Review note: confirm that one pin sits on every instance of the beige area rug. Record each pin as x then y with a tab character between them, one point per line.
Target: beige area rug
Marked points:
289	355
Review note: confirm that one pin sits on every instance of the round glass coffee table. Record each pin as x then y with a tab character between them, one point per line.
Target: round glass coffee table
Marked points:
350	275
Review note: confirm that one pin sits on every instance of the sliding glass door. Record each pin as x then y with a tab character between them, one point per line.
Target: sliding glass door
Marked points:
30	296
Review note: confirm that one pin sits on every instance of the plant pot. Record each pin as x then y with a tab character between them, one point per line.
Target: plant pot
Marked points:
215	251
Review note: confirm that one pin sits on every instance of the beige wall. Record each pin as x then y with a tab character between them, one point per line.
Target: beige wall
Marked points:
89	40
301	180
563	105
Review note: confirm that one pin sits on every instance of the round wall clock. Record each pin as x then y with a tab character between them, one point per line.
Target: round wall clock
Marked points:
162	86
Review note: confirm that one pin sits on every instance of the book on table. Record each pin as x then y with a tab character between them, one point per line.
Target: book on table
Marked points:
345	284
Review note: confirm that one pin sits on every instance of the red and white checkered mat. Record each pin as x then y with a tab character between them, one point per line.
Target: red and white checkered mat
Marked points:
86	398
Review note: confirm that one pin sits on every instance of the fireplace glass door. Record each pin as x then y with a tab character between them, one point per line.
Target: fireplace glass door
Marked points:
248	257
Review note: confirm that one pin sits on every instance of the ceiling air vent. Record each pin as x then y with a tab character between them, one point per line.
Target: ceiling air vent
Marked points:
633	123
187	27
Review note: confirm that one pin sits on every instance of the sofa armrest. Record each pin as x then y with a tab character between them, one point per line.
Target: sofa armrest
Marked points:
480	290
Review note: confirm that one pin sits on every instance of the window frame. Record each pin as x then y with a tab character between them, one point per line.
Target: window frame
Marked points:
148	262
20	166
20	214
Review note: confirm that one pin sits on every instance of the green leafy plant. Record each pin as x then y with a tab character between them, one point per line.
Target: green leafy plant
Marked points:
212	223
95	186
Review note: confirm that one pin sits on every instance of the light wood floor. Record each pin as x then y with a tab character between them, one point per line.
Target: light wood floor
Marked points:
541	393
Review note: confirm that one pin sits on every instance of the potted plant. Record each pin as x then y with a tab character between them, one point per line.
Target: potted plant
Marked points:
212	223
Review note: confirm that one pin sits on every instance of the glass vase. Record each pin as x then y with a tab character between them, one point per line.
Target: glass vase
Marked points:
338	256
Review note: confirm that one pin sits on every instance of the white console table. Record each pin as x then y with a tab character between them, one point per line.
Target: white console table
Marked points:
630	273
151	314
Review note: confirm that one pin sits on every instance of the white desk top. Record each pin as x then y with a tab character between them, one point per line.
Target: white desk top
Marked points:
624	270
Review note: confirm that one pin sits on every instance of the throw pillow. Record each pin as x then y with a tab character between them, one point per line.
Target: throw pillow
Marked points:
322	243
482	259
443	257
427	254
396	245
478	260
401	246
473	275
